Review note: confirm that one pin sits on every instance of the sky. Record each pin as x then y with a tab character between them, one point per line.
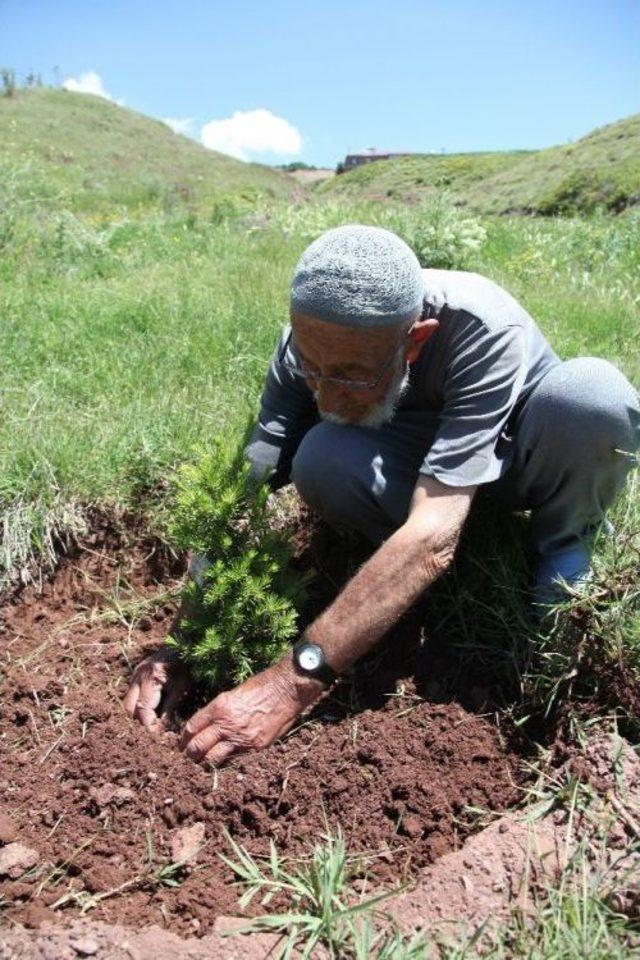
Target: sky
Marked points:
278	81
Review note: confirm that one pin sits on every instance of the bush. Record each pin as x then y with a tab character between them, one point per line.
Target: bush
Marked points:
439	234
580	191
69	243
8	79
241	612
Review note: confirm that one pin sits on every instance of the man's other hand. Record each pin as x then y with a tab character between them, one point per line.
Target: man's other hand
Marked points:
249	717
157	687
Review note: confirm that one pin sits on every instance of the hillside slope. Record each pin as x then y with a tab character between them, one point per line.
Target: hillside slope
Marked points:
601	169
98	154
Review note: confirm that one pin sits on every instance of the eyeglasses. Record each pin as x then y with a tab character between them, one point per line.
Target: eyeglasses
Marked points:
300	370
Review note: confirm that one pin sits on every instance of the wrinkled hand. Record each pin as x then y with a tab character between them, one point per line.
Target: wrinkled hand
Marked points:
249	717
157	687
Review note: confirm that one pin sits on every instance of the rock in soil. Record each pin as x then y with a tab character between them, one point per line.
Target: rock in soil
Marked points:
8	831
187	842
15	858
85	947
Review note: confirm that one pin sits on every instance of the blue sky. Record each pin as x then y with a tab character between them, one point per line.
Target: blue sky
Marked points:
312	81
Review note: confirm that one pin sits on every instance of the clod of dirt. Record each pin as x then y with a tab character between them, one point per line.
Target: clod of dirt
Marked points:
86	947
15	858
110	793
187	842
8	831
35	915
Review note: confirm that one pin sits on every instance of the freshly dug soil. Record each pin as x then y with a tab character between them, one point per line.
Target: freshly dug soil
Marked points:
104	806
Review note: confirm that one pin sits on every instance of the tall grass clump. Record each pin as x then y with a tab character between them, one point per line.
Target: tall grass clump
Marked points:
439	234
8	81
578	278
324	912
241	610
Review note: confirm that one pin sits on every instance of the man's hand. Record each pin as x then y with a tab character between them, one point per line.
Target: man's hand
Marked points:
251	716
157	687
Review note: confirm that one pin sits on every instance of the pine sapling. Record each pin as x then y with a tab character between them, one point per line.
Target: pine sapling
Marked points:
240	615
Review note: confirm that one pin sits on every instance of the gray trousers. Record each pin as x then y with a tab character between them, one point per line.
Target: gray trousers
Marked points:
574	443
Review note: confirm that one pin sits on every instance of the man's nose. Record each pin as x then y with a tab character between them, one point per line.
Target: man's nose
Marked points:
330	395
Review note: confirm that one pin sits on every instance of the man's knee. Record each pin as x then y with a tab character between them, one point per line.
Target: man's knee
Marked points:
329	470
586	406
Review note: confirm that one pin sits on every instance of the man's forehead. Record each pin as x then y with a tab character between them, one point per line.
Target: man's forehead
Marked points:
315	332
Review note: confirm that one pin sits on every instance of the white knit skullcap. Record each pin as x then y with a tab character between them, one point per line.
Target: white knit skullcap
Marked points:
358	276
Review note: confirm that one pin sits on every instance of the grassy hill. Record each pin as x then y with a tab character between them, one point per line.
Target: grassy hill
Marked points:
97	154
601	169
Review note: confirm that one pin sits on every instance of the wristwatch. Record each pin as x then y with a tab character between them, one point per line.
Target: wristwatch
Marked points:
309	661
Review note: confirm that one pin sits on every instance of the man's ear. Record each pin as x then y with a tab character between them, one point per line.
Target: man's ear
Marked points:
418	335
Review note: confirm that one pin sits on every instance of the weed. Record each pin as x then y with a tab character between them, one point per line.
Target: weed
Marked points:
32	534
323	907
589	652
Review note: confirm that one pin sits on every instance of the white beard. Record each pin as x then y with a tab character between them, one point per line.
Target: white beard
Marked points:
383	411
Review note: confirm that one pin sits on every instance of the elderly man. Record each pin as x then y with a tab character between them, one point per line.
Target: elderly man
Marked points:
396	393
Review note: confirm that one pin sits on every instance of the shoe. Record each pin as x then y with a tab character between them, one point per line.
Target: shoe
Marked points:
562	573
565	571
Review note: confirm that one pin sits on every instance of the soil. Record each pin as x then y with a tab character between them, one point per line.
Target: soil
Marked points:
464	896
516	859
401	758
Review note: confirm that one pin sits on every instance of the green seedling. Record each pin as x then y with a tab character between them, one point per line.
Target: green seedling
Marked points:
240	615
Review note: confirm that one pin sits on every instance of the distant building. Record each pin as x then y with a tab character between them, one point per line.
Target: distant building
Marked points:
368	156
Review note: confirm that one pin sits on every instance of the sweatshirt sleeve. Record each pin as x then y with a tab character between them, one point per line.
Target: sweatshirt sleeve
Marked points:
484	375
287	412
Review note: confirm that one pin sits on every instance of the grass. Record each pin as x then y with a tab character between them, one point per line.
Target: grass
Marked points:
114	368
323	909
122	354
601	169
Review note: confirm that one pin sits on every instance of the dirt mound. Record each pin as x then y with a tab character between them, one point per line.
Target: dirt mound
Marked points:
84	938
104	807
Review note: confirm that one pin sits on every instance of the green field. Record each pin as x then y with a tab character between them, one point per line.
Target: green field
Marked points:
144	281
127	342
599	170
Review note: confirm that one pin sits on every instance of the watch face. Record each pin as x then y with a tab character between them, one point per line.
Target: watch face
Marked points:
310	658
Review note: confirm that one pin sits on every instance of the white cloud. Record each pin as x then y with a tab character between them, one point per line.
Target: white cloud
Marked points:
183	125
89	82
251	131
